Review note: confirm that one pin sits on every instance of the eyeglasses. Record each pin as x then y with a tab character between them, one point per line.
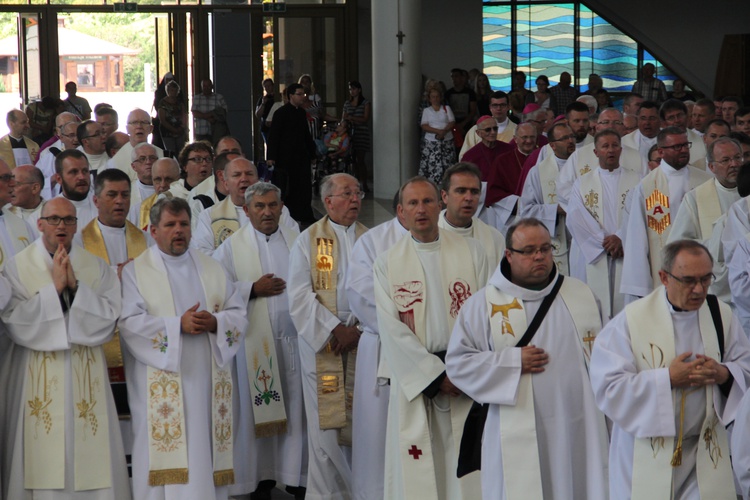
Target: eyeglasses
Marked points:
6	177
200	159
142	123
569	137
691	281
677	147
488	129
727	161
349	194
532	251
54	220
142	159
98	134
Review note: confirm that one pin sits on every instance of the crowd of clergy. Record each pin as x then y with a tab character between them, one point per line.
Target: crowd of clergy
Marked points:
558	321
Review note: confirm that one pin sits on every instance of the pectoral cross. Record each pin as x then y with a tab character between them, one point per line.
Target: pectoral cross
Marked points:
264	378
505	309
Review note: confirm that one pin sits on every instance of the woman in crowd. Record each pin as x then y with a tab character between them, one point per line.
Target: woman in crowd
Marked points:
357	112
313	106
438	151
172	119
483	91
542	95
678	91
263	108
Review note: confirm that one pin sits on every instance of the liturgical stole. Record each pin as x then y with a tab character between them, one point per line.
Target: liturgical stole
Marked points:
597	274
408	291
144	215
548	172
482	233
652	340
709	207
167	444
44	415
224	220
518	437
266	391
335	399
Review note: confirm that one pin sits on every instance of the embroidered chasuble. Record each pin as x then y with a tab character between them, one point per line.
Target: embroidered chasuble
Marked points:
335	373
224	221
93	241
548	172
167	452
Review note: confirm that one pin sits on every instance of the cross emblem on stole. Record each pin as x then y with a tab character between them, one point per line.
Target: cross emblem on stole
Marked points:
415	452
589	339
504	309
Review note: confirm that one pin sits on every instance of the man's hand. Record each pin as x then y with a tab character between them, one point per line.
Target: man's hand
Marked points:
345	338
59	269
710	372
447	388
196	322
533	359
268	286
613	246
560	210
120	266
680	370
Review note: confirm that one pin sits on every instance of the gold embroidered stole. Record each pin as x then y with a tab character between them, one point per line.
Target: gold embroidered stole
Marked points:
93	242
598	277
518	436
548	173
144	216
709	207
167	446
45	421
18	233
334	405
267	396
408	292
658	218
224	220
652	340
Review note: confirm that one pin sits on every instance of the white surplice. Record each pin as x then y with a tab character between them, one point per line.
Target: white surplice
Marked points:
329	475
203	236
736	226
39	323
687	226
738	269
190	356
411	363
571	432
740	449
641	404
641	143
637	280
493	241
371	394
282	457
30	215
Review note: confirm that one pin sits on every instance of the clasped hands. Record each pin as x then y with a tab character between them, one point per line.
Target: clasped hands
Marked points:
62	271
195	322
701	371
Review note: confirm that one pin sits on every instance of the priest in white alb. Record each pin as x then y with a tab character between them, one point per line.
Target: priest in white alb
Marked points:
371	393
62	430
702	208
138	127
181	326
670	372
461	188
421	283
653	205
543	436
329	333
74	177
596	219
270	417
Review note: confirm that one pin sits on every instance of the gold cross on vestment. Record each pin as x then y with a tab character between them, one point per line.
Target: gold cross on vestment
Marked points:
504	309
589	339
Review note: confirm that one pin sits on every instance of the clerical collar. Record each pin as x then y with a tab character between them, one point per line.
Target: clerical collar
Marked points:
17	143
267	236
340	226
670	170
110	228
188	186
471	222
219	195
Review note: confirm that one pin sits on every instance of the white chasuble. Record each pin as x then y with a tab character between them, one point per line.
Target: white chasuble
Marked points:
652	337
549	169
168	454
518	422
44	415
266	391
427	284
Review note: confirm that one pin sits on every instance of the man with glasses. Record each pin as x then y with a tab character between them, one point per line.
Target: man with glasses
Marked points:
488	148
91	139
670	371
674	113
653	207
139	127
505	127
328	333
522	373
64	307
290	153
26	198
701	215
648	127
196	161
143	158
421	284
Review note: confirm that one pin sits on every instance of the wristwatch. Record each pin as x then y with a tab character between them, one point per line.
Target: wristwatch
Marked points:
359	328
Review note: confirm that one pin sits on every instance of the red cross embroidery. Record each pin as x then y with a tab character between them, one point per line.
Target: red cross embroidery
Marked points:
415	452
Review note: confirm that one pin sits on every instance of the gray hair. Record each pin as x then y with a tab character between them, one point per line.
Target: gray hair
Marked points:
721	140
670	252
172	205
259	189
134	155
326	185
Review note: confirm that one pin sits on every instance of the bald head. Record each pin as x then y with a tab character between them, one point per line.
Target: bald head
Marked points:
164	172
